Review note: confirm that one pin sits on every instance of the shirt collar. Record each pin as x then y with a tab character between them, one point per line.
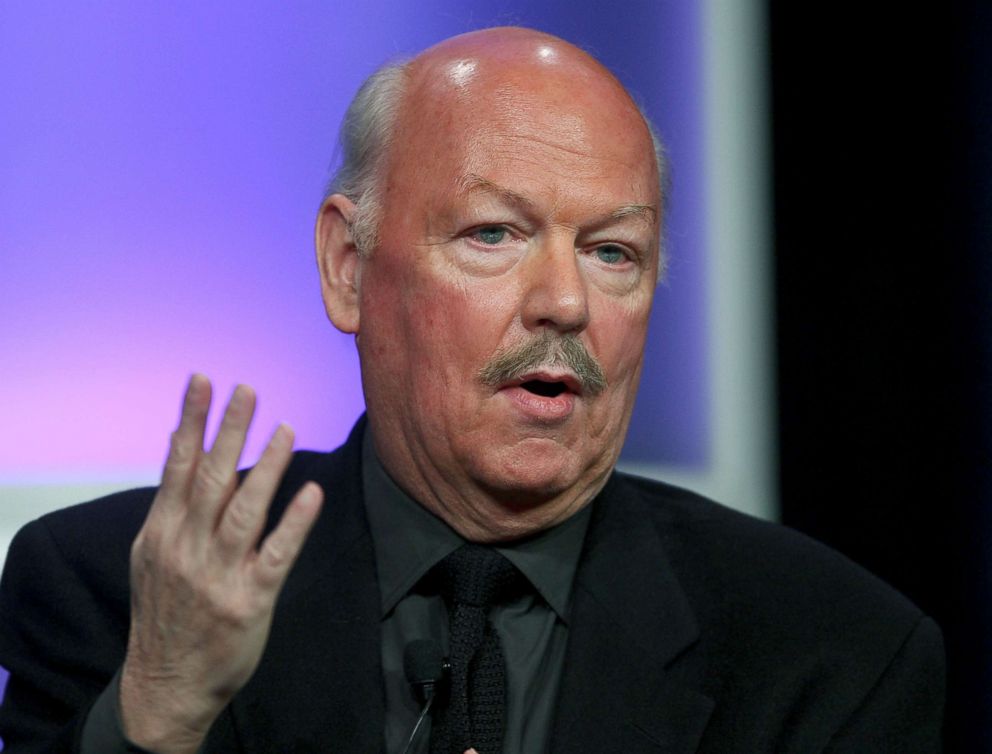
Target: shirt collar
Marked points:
409	540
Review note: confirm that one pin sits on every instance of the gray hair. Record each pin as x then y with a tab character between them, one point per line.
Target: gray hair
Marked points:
664	187
366	137
364	141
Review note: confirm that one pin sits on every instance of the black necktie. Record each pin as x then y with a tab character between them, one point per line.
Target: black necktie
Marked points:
472	579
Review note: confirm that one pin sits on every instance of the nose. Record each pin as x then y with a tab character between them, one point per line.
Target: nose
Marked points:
555	293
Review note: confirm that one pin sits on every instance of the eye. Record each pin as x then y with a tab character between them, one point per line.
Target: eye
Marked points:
491	234
610	254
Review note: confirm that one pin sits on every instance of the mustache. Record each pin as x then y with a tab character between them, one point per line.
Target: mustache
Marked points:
551	351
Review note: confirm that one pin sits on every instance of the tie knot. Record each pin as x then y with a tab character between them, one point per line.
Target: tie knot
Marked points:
477	575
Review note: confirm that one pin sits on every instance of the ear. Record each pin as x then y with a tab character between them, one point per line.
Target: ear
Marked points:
338	260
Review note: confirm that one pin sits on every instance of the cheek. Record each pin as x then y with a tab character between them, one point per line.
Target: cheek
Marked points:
467	320
436	337
619	333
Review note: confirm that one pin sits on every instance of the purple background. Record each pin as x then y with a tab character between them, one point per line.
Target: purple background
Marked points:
160	174
160	168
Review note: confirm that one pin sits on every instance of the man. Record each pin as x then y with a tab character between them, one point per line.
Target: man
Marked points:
494	245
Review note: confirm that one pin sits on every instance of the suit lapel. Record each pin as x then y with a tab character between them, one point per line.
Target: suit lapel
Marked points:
319	685
629	620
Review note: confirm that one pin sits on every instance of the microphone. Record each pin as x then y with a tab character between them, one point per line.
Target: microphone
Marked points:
425	669
424	666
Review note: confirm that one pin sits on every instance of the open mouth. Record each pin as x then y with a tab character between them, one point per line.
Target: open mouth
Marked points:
546	397
544	388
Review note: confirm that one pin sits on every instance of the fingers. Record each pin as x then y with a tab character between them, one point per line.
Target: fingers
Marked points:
186	444
216	474
203	486
243	518
279	551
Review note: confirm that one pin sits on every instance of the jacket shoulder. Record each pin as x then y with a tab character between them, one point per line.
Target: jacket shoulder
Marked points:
758	562
799	645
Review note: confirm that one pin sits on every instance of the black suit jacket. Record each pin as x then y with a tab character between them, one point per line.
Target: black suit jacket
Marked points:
693	628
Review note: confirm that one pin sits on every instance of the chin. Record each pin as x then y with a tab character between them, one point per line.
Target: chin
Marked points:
510	515
525	477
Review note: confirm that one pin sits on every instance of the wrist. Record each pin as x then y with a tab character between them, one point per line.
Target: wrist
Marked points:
159	717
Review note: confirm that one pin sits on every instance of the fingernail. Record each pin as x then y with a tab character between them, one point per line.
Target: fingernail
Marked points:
282	436
240	396
197	382
310	497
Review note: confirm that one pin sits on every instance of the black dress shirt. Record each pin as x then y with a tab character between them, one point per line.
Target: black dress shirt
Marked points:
533	628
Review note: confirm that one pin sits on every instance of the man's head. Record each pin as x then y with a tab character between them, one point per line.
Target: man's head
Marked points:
510	234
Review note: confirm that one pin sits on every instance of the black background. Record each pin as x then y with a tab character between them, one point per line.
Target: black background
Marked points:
882	148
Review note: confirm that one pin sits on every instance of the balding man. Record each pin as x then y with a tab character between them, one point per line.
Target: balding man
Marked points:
493	242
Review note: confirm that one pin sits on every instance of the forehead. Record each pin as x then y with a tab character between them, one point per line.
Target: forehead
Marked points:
522	123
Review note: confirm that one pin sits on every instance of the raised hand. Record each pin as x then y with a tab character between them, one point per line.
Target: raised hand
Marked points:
203	588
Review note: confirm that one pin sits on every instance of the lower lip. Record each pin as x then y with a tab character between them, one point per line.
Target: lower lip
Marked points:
541	407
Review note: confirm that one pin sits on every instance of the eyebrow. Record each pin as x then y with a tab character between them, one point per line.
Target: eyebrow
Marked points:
474	182
636	210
